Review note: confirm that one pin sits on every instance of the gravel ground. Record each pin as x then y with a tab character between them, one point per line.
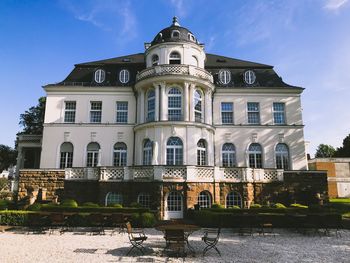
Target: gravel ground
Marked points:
81	246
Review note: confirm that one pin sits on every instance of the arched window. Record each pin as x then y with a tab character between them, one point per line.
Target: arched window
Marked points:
147	152
174	151
144	200
255	155
204	199
198	111
114	198
124	76
282	156
66	155
175	34
174	105
224	77
100	76
201	152
195	61
151	99
93	149
228	155
119	154
174	202
155	60
233	199
174	58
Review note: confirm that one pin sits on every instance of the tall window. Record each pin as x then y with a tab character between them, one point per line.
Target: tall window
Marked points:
119	154
198	115
122	112
174	201
174	151
253	113
174	104
279	113
255	155
147	152
124	76
93	149
151	104
100	75
228	155
174	58
95	111
233	199
69	111
282	156
227	112
144	200
201	153
66	156
114	198
155	60
204	199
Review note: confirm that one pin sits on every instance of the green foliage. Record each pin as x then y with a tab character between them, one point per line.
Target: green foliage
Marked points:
135	219
325	151
234	207
90	204
86	209
217	206
4	204
148	220
116	205
78	220
7	158
299	206
34	207
344	151
340	200
135	205
69	203
279	206
32	119
14	218
255	206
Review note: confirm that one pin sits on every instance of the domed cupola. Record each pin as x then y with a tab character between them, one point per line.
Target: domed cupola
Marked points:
174	33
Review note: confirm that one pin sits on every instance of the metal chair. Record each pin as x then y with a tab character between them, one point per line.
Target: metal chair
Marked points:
211	239
136	238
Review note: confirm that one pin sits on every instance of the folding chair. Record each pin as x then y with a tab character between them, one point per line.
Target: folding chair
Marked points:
136	237
211	238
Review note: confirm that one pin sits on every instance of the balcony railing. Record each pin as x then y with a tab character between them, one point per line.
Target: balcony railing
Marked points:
175	173
174	70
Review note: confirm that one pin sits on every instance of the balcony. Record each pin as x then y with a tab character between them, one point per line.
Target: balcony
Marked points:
162	70
174	173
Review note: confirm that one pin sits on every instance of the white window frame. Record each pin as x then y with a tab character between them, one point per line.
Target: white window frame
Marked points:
147	152
175	57
231	155
116	197
277	113
224	76
122	113
249	77
253	112
94	117
155	60
175	117
92	155
174	149
204	199
124	76
282	157
223	120
120	154
233	198
66	157
256	156
198	99
100	76
202	152
144	199
69	112
151	100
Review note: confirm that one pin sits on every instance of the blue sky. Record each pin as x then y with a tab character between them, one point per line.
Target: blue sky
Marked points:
308	42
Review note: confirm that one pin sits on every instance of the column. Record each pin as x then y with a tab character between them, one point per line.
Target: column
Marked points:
208	108
138	114
163	102
191	112
142	106
186	102
157	101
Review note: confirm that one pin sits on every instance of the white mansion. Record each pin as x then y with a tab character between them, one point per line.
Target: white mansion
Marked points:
173	127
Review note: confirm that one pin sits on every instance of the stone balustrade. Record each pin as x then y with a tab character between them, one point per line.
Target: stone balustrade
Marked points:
175	173
174	70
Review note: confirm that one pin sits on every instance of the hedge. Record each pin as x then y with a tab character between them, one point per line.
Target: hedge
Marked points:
91	209
14	217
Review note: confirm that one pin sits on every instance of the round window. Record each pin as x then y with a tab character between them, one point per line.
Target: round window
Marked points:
224	76
124	76
249	77
100	75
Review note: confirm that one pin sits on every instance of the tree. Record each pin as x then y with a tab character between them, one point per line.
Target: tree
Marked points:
344	151
7	157
324	151
32	120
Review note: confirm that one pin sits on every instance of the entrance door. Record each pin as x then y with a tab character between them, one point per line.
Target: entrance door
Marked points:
173	206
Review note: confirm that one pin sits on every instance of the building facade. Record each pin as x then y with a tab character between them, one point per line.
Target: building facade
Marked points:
173	125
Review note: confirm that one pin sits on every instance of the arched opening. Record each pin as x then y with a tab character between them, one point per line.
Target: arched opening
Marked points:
233	199
198	111
282	156
228	155
155	60
255	155
174	58
174	151
204	199
114	198
147	152
174	206
119	154
66	155
144	199
93	149
201	152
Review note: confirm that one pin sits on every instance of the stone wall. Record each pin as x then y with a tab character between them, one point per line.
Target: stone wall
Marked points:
45	184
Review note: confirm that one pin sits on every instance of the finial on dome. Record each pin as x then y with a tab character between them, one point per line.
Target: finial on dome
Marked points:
175	21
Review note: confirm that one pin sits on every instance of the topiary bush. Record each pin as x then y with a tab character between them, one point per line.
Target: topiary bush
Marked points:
217	206
69	203
147	220
279	206
135	219
116	205
234	207
90	204
298	206
14	217
255	206
34	207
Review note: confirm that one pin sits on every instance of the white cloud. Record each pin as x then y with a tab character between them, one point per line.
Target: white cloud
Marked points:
334	5
180	9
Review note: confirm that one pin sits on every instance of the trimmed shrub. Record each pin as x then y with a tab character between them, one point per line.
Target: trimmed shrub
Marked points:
4	204
217	206
135	219
85	209
298	206
69	203
255	206
279	206
147	220
117	205
135	205
34	207
90	204
14	218
234	207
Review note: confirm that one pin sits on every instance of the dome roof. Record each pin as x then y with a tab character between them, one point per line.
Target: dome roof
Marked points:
174	33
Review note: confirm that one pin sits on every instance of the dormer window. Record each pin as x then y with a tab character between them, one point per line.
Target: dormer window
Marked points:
175	34
100	76
224	77
191	37
174	58
249	77
155	60
124	76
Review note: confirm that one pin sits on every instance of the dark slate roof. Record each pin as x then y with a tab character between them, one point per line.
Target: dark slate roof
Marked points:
83	73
